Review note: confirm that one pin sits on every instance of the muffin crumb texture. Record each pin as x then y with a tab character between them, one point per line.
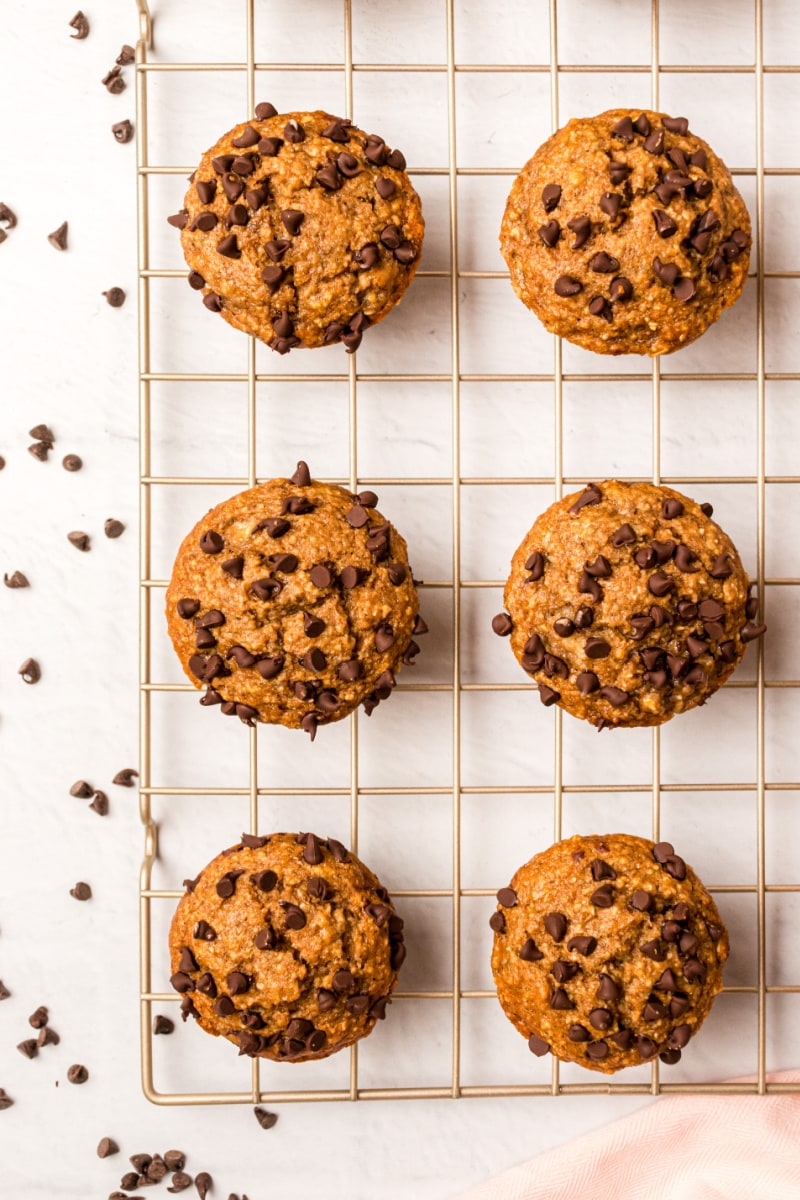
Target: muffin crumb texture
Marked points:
608	952
294	602
628	604
287	945
625	234
301	229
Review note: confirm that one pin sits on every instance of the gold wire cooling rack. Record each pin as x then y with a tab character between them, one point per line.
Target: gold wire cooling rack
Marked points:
249	68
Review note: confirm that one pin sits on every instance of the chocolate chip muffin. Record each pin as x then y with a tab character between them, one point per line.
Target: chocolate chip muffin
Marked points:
293	603
287	945
625	233
301	229
607	952
627	604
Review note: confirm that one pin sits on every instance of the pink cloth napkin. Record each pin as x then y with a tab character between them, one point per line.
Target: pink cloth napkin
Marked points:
679	1148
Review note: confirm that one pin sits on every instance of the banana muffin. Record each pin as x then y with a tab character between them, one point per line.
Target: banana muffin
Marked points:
287	945
627	604
625	233
292	603
608	951
301	229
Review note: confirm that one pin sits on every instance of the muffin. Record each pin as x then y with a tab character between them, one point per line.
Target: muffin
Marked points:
627	604
607	952
292	603
625	233
287	945
301	229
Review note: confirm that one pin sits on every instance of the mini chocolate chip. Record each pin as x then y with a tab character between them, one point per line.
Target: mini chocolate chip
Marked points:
685	289
502	624
610	203
551	194
566	285
620	290
550	233
602	870
618	172
587	682
211	542
599	307
603	264
556	925
582	228
665	226
666	273
582	945
577	1033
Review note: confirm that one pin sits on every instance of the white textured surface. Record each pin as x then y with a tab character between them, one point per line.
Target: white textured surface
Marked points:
70	361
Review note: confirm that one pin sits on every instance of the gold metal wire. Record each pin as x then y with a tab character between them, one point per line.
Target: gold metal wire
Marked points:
759	786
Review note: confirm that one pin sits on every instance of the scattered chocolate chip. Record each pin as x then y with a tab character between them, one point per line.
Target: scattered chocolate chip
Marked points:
125	777
265	1119
163	1025
538	1046
122	131
113	528
99	804
16	580
58	239
502	624
203	1183
77	1073
81	26
29	1048
113	81
566	285
81	891
30	671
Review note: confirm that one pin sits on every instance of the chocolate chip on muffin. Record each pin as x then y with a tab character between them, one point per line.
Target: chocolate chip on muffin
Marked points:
609	953
305	950
293	603
661	239
627	604
301	229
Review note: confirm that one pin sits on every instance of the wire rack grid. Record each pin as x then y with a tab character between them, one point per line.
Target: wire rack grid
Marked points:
249	68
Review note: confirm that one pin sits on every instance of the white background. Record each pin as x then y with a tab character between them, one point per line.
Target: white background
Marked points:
70	360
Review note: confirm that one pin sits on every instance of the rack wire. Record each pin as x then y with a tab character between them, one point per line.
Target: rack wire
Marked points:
249	68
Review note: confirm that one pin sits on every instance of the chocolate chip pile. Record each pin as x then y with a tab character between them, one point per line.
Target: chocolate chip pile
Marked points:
607	952
152	1169
287	945
301	229
627	603
293	603
625	234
